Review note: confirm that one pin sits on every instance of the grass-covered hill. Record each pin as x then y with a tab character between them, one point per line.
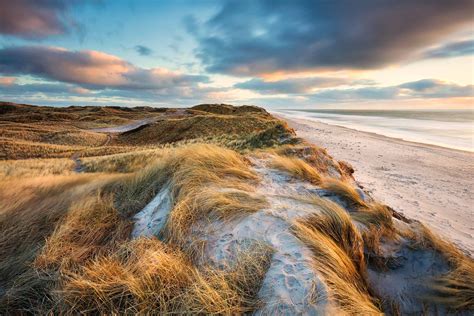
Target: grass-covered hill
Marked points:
213	209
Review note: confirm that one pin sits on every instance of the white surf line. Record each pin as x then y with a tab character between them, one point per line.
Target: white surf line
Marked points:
152	218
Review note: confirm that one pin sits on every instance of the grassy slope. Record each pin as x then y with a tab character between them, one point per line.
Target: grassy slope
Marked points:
65	238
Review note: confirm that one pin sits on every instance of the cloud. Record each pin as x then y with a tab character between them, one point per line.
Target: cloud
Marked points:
89	69
452	49
296	85
431	88
255	37
36	19
143	50
191	25
7	81
49	89
426	88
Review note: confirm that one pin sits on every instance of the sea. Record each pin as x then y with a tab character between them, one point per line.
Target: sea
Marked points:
446	128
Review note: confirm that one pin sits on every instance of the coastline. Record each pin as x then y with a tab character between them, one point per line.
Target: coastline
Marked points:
373	130
426	182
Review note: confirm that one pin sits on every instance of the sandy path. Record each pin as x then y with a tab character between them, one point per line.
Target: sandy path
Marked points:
428	183
124	128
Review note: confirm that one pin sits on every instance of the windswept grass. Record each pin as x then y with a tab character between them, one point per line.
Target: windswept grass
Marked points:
208	181
375	215
456	288
335	223
316	157
91	226
123	162
29	212
296	167
344	190
146	276
378	228
28	168
338	258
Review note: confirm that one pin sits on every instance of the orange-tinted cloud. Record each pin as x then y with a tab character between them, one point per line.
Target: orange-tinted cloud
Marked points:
7	81
90	69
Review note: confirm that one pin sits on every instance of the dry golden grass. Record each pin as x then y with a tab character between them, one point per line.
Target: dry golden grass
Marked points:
28	168
338	257
91	226
48	132
143	276
135	190
344	190
375	215
29	213
147	276
123	162
239	128
335	222
456	288
316	157
296	167
208	181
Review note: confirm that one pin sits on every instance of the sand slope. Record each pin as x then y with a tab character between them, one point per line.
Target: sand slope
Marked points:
428	183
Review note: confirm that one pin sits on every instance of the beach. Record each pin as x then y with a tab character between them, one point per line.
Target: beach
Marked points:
428	183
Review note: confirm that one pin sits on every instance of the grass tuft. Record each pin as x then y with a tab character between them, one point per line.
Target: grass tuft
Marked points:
332	259
296	167
345	191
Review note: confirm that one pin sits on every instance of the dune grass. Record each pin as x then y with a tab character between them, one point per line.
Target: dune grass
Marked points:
209	181
29	213
74	248
91	226
296	167
316	157
28	168
127	162
338	256
344	190
146	276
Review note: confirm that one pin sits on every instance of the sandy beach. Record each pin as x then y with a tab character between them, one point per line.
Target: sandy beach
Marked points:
428	183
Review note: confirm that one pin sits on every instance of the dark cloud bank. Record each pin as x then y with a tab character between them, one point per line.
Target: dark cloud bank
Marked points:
37	19
253	37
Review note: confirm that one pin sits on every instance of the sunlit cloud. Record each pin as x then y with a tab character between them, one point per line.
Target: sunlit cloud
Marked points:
91	69
297	85
451	49
7	81
422	89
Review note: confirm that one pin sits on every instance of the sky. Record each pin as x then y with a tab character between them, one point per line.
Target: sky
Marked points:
298	54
